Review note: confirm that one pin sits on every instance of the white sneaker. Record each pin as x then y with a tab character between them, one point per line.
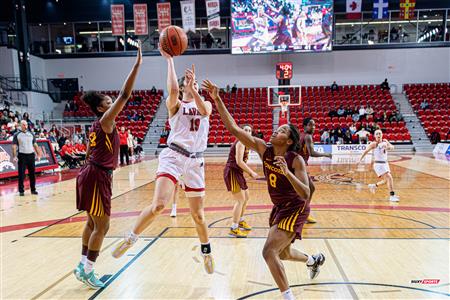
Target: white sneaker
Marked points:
394	198
173	213
123	246
372	187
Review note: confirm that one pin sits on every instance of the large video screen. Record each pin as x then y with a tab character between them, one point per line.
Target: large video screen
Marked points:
273	26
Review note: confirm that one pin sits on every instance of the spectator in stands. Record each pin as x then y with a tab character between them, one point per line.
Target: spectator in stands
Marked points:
12	123
334	87
341	111
362	112
62	140
141	116
339	136
332	113
80	149
325	137
355	116
26	117
68	155
67	107
228	90
123	146
424	104
369	110
234	88
393	117
348	137
352	128
130	142
53	140
348	111
371	128
435	137
363	136
4	135
55	130
209	40
3	118
153	90
385	85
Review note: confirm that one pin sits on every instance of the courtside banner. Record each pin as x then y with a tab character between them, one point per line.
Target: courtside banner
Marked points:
348	149
441	148
188	15
140	19
118	19
213	13
164	18
8	168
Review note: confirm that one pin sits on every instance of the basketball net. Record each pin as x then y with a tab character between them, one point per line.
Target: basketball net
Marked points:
284	106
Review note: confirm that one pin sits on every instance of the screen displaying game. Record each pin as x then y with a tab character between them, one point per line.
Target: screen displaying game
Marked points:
274	26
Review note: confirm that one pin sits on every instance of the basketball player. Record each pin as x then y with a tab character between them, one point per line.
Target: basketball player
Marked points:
282	36
306	150
380	149
189	123
94	182
261	34
298	33
288	187
236	184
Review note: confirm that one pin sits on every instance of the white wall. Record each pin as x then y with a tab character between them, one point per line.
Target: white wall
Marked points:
346	67
37	66
38	104
9	63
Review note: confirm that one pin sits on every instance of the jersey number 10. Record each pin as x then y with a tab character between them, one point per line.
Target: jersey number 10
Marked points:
195	124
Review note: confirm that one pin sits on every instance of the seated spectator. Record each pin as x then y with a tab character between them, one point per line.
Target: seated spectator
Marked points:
348	137
67	107
325	137
3	118
385	85
67	153
339	136
141	116
12	124
363	136
62	140
393	117
341	111
80	149
53	141
137	100
334	87
4	135
355	116
352	128
435	137
55	130
228	89
371	127
234	88
424	104
399	116
362	112
348	111
369	110
332	113
153	90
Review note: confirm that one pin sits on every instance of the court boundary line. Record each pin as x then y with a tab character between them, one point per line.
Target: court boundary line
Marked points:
346	283
128	264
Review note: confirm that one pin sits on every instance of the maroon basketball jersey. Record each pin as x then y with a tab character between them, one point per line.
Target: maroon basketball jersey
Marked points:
104	147
232	162
281	191
303	148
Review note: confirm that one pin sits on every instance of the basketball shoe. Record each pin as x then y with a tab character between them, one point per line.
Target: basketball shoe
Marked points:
208	262
244	226
92	280
310	220
173	212
237	233
77	271
314	269
394	198
372	187
122	247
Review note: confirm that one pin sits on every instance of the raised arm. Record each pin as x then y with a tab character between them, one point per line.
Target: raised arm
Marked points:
172	102
107	120
390	147
204	107
370	147
240	149
249	141
310	146
299	179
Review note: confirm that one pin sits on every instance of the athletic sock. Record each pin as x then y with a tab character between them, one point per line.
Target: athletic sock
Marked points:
83	259
206	248
392	193
287	295
91	258
84	250
88	266
241	220
234	226
133	237
174	206
310	260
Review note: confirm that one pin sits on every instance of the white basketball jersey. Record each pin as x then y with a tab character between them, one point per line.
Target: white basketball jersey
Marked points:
188	128
380	153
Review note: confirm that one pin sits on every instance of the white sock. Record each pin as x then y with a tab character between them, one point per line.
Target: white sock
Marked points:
287	295
310	260
133	237
174	206
83	259
241	220
234	226
89	266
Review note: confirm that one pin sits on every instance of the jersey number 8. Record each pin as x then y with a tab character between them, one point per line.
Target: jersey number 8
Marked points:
273	180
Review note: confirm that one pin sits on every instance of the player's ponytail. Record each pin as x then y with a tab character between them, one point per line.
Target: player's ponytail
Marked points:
295	137
93	99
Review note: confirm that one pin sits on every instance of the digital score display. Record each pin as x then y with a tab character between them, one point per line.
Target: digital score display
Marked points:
284	70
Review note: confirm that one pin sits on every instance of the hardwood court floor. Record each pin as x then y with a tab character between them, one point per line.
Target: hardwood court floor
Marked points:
374	248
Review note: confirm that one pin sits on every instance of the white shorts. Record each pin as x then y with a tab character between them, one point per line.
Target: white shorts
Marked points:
190	172
381	168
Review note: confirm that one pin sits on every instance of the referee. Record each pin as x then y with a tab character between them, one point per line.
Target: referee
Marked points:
25	141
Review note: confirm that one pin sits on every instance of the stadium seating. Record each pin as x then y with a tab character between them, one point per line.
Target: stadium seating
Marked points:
436	118
148	106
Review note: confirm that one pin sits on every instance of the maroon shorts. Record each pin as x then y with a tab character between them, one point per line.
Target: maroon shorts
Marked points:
290	219
94	190
283	38
234	180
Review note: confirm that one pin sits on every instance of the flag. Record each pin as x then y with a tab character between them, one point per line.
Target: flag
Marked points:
380	9
212	11
118	19
407	9
188	15
353	9
164	18
140	19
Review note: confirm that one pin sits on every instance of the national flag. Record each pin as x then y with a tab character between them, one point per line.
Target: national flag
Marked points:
353	9
407	9
380	9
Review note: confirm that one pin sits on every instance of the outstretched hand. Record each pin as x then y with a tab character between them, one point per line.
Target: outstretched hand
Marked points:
164	53
280	161
139	53
211	88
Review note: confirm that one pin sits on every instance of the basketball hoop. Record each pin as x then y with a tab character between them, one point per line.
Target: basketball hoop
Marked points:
284	105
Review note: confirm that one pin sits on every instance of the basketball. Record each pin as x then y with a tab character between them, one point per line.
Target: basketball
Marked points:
173	40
